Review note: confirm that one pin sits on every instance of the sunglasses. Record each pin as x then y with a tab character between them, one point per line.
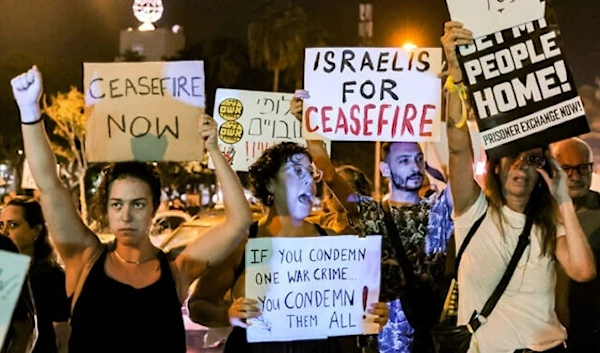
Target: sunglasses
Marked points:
534	160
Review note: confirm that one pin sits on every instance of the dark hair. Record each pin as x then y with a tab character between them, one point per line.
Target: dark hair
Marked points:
44	254
267	166
145	172
541	205
386	146
358	180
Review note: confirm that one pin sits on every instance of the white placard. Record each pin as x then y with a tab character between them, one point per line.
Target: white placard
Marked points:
13	268
372	94
252	121
144	111
484	17
314	287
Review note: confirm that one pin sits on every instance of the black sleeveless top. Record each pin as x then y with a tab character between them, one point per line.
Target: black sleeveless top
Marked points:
236	342
111	316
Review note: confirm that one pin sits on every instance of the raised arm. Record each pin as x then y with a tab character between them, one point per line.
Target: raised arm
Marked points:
573	251
340	188
463	185
219	241
74	241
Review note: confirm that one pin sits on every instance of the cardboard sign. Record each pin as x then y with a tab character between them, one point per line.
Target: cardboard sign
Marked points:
521	89
13	268
484	17
312	288
372	94
144	111
252	121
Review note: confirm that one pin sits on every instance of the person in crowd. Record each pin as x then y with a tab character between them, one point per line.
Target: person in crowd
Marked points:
23	222
423	225
284	180
333	215
22	332
126	296
530	185
583	299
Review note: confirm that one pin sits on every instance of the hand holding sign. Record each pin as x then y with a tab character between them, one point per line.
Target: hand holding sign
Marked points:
455	35
382	313
208	129
241	309
27	90
297	103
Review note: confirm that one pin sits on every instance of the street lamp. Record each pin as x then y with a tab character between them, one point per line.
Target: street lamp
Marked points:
409	46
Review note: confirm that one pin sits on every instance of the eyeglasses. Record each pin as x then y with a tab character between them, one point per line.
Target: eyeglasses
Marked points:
583	169
302	172
534	160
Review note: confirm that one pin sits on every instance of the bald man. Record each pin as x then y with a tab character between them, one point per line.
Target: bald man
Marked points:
575	157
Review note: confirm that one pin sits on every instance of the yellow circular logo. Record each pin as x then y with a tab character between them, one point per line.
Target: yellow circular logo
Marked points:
231	109
231	132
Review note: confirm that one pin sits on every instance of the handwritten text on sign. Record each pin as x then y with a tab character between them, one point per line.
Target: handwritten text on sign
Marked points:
144	111
372	94
252	121
483	17
520	86
314	287
13	268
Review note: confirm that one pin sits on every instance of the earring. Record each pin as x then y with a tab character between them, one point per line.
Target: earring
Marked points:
270	200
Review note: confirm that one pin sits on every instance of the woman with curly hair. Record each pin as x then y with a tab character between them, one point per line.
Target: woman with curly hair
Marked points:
284	180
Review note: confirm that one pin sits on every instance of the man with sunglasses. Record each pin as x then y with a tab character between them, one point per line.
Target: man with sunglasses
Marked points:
423	226
582	299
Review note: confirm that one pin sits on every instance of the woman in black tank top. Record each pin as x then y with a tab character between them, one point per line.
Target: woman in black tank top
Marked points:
125	297
284	180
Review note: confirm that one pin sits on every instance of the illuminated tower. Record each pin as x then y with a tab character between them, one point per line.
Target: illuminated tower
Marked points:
147	12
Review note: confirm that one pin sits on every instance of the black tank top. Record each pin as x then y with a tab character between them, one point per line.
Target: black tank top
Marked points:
111	316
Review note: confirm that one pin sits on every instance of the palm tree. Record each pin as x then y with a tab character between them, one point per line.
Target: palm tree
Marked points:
277	39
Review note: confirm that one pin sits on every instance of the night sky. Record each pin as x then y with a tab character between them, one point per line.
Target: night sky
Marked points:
60	35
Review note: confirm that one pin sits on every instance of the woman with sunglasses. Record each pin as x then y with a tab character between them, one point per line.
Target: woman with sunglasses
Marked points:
284	180
530	186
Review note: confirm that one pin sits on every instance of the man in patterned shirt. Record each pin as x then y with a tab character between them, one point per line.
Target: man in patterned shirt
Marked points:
424	227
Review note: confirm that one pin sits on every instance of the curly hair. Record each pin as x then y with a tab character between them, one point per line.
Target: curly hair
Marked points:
541	205
44	254
145	172
267	166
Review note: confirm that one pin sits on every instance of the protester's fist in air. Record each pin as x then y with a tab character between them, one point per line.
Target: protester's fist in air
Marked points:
296	104
27	89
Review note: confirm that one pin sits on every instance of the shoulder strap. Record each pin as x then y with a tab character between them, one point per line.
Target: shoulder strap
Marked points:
466	242
510	269
85	271
394	236
242	265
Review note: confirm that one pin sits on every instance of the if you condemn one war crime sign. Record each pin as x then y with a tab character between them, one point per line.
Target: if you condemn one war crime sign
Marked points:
372	94
521	88
144	111
312	288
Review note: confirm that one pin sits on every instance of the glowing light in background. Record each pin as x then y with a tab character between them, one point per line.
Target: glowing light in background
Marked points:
409	46
147	12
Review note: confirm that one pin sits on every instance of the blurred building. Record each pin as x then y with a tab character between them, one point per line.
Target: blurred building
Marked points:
152	45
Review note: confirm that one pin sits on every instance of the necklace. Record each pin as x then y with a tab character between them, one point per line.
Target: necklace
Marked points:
124	260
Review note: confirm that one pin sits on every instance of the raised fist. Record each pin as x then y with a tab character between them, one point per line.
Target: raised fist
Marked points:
27	90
